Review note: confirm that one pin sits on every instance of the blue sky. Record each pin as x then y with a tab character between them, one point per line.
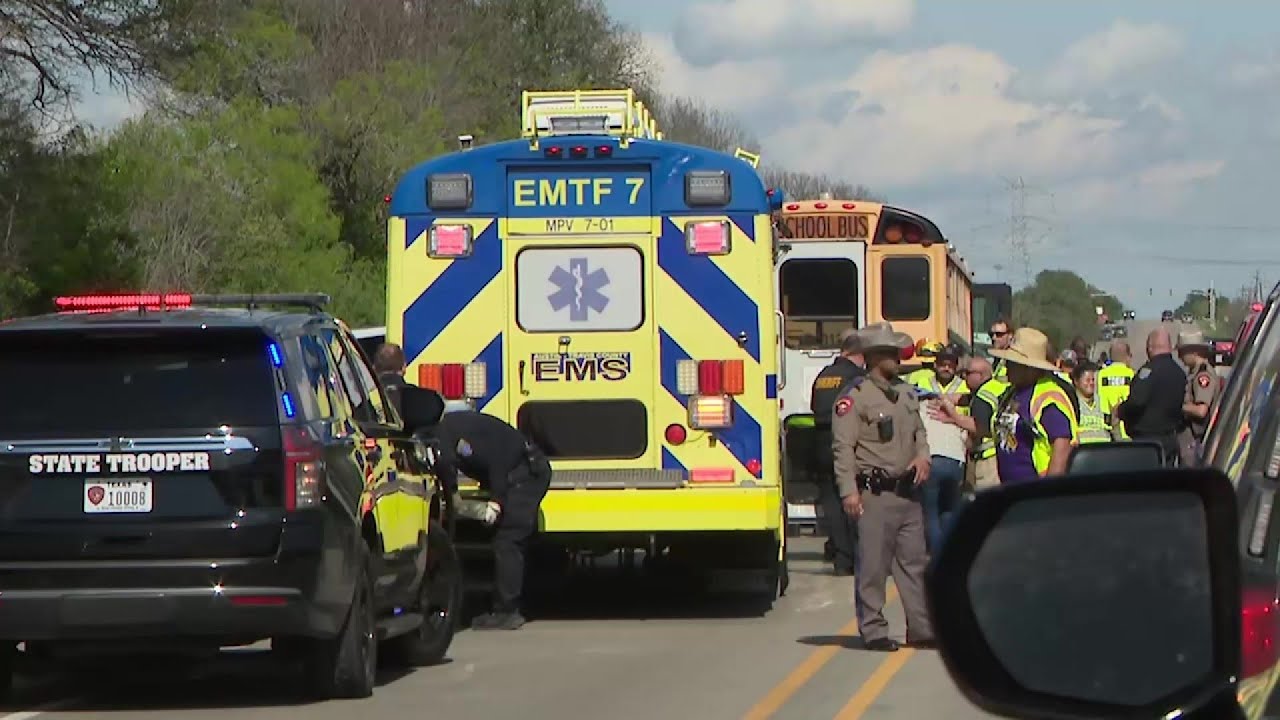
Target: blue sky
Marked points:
1148	137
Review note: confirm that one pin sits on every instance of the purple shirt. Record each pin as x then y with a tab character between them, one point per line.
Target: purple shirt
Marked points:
1014	436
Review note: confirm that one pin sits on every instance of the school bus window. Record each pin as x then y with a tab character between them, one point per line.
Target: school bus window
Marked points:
904	288
819	301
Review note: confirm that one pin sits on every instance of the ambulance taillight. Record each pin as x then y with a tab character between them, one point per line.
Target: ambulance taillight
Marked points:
710	385
455	381
707	238
449	241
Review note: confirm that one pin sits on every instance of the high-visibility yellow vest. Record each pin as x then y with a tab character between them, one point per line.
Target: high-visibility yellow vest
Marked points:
1047	394
990	393
1114	381
926	379
1094	427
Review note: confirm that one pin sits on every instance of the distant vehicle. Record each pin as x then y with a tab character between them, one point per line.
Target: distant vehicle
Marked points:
1120	331
1187	318
1130	315
1107	333
1166	316
1224	351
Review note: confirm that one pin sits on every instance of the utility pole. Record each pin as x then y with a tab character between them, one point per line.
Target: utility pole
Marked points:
1022	225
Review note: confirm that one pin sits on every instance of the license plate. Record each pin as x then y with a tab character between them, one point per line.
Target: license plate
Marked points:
130	495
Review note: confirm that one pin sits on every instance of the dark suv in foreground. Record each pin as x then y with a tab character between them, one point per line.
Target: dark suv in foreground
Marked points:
183	473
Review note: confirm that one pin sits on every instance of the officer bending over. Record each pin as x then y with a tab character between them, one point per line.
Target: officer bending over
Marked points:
881	457
516	475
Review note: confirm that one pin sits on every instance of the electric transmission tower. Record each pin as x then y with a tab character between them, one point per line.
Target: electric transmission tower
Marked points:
1026	230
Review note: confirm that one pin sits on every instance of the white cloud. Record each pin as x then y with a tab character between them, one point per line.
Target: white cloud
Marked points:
1254	75
1099	59
710	32
734	87
1153	191
107	109
942	113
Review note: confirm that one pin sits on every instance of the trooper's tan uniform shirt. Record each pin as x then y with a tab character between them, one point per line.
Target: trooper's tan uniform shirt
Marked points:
1202	389
857	445
891	527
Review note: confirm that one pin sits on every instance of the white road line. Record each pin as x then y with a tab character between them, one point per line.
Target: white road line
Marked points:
40	710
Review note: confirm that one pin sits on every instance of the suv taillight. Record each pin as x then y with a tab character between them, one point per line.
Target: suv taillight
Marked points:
1258	641
303	468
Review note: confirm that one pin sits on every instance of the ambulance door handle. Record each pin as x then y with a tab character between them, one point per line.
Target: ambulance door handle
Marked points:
782	349
521	368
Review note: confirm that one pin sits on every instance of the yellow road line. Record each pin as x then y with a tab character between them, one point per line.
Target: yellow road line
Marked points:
804	672
875	685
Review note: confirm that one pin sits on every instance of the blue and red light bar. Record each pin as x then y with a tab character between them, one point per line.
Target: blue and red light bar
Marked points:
133	301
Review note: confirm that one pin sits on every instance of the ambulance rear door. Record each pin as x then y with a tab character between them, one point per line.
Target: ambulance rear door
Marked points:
581	337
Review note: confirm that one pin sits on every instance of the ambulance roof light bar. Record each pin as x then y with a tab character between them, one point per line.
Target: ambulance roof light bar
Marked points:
585	112
750	158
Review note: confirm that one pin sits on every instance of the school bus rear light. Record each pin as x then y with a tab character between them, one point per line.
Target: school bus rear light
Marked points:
449	241
455	381
710	412
707	238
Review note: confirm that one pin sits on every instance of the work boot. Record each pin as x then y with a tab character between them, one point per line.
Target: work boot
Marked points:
828	552
498	621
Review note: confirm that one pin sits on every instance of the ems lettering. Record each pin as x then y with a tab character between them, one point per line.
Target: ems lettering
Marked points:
581	367
117	463
560	225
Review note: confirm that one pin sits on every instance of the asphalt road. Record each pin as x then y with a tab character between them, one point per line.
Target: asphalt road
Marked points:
603	653
1137	338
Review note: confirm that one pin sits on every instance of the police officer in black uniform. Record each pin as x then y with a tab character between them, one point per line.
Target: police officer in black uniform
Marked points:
389	363
842	530
516	475
1153	410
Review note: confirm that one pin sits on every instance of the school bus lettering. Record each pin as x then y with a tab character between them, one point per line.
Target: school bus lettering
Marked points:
843	227
581	367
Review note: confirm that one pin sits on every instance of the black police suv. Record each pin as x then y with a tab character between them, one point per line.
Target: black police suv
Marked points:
1243	441
182	473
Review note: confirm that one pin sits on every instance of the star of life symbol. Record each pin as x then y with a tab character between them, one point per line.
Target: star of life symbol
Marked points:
578	289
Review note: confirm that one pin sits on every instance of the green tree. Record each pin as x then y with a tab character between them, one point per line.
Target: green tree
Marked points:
1060	304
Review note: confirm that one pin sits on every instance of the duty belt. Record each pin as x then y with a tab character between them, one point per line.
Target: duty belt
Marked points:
878	481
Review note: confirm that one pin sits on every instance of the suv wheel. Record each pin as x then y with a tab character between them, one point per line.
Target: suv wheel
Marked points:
346	666
440	599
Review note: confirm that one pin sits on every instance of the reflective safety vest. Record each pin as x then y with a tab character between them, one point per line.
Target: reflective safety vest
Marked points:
1000	371
1094	427
990	393
1047	394
1114	381
927	379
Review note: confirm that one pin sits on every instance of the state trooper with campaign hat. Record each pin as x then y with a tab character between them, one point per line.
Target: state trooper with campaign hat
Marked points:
1202	388
881	458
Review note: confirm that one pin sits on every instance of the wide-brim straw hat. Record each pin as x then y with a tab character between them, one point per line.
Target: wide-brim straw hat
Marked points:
1030	347
882	335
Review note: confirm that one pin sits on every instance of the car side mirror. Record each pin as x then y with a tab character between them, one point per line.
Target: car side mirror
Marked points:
1129	456
1098	595
420	408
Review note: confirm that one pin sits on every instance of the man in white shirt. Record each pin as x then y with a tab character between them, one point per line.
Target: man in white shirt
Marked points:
941	492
